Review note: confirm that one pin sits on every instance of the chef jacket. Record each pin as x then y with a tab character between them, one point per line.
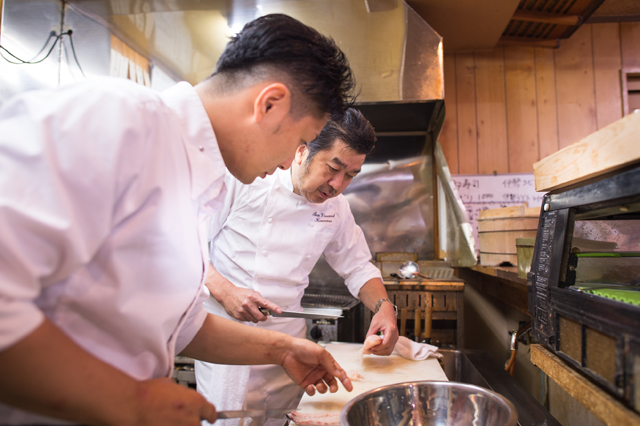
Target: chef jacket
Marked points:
268	239
105	191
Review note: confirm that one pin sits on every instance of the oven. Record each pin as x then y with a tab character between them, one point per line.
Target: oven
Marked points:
584	283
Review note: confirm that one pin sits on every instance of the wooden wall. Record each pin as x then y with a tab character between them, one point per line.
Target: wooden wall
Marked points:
508	108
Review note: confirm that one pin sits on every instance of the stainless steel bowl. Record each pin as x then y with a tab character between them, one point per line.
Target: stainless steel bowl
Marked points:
408	269
429	404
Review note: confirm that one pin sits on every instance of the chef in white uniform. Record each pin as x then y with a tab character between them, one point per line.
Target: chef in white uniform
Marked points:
105	191
265	242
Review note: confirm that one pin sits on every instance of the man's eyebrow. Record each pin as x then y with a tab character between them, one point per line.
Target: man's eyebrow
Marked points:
344	166
338	162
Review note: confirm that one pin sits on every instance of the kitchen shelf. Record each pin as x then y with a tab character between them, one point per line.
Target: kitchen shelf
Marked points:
502	283
445	298
594	399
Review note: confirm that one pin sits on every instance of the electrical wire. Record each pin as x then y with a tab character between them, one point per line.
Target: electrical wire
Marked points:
52	34
73	49
32	61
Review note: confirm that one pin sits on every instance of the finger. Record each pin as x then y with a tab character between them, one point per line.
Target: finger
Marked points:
310	390
386	337
257	314
383	350
251	310
321	387
270	305
383	346
332	368
332	383
247	316
208	412
347	384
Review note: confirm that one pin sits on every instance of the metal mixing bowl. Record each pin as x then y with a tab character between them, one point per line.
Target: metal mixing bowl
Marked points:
429	403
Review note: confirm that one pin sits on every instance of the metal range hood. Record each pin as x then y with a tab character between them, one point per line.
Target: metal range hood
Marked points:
394	53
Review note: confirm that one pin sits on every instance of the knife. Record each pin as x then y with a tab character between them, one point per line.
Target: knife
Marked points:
237	414
307	313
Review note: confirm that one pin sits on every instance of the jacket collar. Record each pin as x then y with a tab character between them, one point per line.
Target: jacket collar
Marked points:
205	161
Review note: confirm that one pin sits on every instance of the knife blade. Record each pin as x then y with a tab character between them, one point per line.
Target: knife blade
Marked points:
307	313
237	414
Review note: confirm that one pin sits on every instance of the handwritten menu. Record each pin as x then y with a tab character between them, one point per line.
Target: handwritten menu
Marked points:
482	192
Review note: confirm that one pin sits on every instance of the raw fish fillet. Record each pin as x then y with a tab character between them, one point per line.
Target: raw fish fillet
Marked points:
370	342
355	376
315	419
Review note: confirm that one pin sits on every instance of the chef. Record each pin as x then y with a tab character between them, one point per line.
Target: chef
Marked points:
105	191
266	240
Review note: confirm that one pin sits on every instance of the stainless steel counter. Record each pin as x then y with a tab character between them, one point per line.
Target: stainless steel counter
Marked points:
478	368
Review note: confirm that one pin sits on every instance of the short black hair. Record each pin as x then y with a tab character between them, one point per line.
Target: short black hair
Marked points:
353	129
313	62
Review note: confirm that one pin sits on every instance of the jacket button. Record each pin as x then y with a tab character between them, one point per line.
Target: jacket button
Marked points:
264	252
308	257
270	220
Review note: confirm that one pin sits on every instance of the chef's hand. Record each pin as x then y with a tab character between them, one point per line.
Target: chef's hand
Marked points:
313	368
385	322
239	303
243	304
163	402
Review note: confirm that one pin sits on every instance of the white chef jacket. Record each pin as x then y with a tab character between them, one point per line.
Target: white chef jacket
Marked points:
105	191
268	239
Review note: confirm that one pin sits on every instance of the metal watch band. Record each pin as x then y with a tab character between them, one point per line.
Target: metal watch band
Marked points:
395	308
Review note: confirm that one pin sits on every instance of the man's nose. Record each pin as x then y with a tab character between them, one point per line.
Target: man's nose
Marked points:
336	181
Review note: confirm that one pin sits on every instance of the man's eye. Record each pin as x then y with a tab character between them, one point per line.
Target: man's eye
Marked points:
332	169
350	177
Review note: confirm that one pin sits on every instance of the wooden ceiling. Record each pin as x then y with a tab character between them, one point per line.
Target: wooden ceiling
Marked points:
466	25
473	25
546	22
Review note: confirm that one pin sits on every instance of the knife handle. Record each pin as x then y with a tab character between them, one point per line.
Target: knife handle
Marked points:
264	311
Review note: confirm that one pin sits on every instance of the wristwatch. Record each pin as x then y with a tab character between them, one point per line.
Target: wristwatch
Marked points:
395	308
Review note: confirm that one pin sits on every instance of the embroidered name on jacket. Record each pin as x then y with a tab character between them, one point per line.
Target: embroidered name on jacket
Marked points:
321	217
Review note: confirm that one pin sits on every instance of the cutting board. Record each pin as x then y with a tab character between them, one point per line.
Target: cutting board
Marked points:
376	371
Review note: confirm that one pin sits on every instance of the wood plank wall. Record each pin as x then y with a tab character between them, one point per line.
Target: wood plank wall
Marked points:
508	108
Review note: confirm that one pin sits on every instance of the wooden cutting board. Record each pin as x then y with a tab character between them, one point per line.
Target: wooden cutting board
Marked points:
376	370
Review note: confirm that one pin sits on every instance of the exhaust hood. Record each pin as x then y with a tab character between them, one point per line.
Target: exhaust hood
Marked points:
394	53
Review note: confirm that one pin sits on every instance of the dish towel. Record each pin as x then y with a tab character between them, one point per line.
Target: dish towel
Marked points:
415	351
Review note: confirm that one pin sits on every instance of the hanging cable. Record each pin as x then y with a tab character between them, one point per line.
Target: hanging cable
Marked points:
33	61
73	49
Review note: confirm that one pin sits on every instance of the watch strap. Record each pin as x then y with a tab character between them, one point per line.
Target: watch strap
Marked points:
395	308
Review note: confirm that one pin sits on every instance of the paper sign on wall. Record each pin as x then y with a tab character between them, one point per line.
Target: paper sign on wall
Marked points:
481	192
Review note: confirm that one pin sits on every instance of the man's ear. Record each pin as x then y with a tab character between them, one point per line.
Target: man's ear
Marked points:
301	154
272	104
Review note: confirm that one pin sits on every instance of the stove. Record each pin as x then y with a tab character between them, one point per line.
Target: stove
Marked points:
327	330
